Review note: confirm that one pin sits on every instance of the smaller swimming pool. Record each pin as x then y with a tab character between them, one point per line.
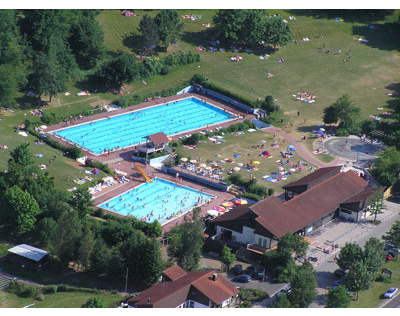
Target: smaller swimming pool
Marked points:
161	200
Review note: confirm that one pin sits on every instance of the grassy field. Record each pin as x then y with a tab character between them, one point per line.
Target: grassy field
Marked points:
372	297
58	300
243	145
366	78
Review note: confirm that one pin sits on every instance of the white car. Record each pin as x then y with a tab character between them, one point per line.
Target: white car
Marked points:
391	292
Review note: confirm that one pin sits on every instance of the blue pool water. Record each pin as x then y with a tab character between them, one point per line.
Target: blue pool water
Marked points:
130	129
165	199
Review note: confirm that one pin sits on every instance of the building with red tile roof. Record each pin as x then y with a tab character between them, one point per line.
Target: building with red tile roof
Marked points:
181	289
309	203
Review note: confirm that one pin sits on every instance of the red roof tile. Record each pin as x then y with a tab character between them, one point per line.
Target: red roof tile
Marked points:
175	272
158	138
313	177
173	293
361	196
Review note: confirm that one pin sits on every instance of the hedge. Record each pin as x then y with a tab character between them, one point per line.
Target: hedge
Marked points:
251	196
68	288
203	81
72	152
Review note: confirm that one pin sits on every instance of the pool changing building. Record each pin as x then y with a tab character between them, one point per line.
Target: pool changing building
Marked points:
310	202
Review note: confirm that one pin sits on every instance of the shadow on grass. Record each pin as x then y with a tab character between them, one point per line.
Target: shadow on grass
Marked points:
91	83
204	37
383	36
135	43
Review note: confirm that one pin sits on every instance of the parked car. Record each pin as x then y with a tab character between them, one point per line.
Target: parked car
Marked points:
260	274
389	246
313	259
336	286
238	269
391	292
250	271
285	290
339	273
244	278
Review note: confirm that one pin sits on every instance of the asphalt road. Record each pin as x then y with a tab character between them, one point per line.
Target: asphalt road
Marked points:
393	303
325	269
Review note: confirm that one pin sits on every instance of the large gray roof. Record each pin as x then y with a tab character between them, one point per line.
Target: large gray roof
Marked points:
29	252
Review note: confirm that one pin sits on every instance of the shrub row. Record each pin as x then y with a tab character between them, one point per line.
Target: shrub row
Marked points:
155	66
68	288
72	152
99	165
250	186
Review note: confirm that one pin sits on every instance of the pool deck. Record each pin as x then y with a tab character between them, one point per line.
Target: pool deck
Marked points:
121	159
121	152
136	180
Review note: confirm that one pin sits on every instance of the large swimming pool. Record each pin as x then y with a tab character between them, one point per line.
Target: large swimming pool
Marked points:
161	200
130	129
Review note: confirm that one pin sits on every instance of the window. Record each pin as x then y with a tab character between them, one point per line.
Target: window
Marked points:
191	304
260	241
345	211
264	243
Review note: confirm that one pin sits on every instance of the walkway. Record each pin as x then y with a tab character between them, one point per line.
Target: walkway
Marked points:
302	151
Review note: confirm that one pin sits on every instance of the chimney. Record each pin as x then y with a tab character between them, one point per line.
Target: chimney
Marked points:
215	276
148	300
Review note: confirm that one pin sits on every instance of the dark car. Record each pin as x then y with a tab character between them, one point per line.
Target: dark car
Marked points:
238	269
244	278
250	271
286	290
260	274
339	273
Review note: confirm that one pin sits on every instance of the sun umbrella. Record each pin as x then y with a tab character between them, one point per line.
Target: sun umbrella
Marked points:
227	204
265	153
208	168
202	165
240	164
241	202
236	168
219	137
280	168
322	129
184	159
193	161
292	148
217	156
292	170
169	138
43	126
219	209
256	162
263	141
320	132
236	155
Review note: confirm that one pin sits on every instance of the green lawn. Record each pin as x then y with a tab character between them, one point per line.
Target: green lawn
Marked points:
3	249
242	145
372	297
58	300
373	67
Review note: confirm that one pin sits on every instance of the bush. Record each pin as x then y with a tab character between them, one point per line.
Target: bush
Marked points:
251	196
252	295
40	297
21	289
165	70
271	191
102	166
245	304
51	289
68	288
192	140
99	213
30	291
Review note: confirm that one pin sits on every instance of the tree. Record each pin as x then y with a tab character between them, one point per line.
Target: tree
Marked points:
86	247
86	41
94	302
359	277
253	27
227	257
81	201
170	26
393	235
373	256
121	69
338	298
269	104
142	256
387	166
100	257
376	204
347	113
349	254
294	243
281	301
187	241
149	29
20	210
228	25
44	230
8	85
49	77
330	115
303	285
66	240
277	32
21	156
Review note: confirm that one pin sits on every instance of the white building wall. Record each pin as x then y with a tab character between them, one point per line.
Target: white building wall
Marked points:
264	241
352	216
247	236
198	305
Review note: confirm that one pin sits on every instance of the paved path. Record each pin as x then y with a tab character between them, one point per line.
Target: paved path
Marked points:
301	150
393	303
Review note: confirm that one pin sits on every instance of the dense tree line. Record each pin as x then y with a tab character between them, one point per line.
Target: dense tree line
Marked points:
59	221
250	28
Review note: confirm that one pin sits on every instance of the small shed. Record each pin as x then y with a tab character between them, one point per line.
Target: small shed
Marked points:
27	256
